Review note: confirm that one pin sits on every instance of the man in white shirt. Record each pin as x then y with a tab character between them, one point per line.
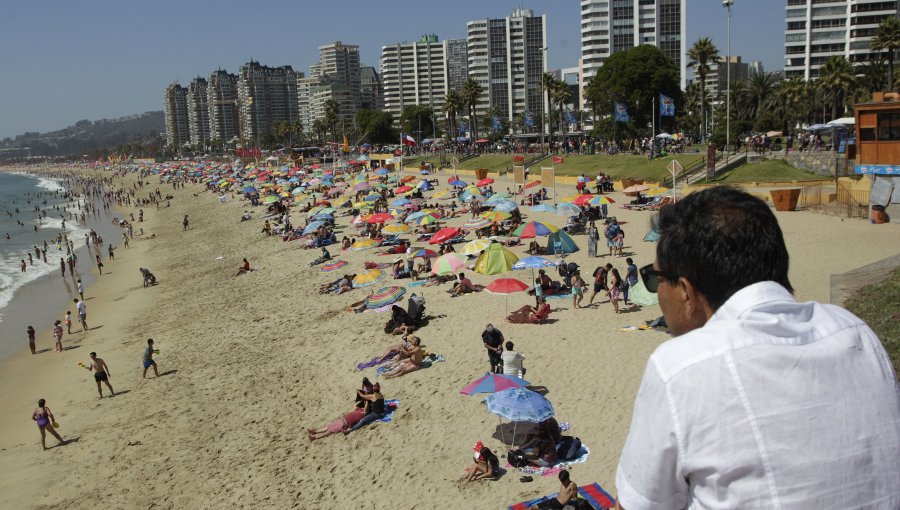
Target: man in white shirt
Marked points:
82	314
512	361
759	401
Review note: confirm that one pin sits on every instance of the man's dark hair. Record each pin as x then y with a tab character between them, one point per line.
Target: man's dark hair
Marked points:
509	346
564	476
721	240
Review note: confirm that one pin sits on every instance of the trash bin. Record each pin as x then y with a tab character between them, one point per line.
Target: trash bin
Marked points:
785	199
480	173
879	215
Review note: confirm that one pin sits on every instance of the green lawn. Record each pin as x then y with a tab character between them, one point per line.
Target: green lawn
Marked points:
770	170
622	166
878	305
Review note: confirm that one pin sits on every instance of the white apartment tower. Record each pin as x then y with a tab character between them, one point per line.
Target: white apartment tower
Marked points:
507	57
421	73
608	26
336	77
198	113
176	111
818	29
221	98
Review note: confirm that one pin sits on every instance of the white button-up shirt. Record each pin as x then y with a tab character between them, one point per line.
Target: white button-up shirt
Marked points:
772	404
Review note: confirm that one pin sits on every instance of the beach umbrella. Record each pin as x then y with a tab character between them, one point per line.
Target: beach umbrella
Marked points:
636	188
603	199
504	206
475	247
333	266
532	184
441	194
519	404
428	219
533	262
403	189
399	202
368	277
384	297
424	253
396	228
477	223
496	216
363	186
567	209
535	228
312	227
656	191
271	199
498	197
447	263
543	208
492	383
363	244
458	184
423	185
248	189
495	259
487	181
506	286
379	218
372	198
580	199
382	171
444	234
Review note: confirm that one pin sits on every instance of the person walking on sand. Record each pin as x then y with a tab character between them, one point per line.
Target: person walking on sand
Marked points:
45	420
30	332
101	374
99	263
185	223
57	335
62	266
492	339
82	314
148	358
109	250
81	289
68	321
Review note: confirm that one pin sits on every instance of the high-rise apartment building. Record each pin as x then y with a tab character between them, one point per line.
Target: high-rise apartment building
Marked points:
817	29
422	72
306	87
267	96
221	98
176	111
608	26
719	73
198	113
338	78
507	57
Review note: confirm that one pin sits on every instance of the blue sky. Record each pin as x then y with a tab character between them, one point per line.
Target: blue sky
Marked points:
63	61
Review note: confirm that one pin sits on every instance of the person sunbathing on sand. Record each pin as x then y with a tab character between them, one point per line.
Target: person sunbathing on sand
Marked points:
486	464
339	425
244	269
403	349
411	363
463	286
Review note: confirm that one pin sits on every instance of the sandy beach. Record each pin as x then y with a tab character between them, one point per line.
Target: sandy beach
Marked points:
250	362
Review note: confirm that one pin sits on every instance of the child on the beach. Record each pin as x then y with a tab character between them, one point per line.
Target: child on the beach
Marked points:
619	242
69	321
57	335
578	286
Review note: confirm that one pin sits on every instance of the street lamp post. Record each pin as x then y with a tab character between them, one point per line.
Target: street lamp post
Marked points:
543	109
727	4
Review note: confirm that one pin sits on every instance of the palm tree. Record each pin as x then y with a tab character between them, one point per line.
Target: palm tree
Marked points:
561	95
791	102
692	97
887	37
453	103
471	97
550	85
332	108
759	91
701	53
872	75
320	128
837	77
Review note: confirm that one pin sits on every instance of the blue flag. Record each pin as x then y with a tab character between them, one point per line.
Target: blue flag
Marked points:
570	117
620	112
497	125
461	126
530	119
666	106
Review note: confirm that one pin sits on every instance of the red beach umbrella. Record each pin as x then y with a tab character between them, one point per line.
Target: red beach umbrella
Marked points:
444	234
484	182
379	218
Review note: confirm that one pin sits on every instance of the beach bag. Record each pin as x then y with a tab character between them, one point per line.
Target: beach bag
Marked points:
517	458
568	448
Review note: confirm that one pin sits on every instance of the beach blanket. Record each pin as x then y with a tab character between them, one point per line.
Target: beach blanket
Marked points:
427	362
583	454
390	407
375	361
594	494
418	283
567	295
385	308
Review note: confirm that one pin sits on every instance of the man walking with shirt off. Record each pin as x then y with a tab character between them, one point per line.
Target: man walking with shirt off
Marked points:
759	401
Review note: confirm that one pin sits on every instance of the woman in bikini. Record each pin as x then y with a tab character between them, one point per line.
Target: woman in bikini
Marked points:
44	418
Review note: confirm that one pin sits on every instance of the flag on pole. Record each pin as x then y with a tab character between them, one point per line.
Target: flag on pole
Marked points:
530	119
666	106
408	140
620	112
570	117
558	160
496	124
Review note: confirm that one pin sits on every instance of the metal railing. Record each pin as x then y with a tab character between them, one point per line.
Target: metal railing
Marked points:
836	200
687	172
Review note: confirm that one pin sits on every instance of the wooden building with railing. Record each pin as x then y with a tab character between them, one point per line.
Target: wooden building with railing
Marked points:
878	151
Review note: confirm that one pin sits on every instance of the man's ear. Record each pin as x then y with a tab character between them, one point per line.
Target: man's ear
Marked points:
696	308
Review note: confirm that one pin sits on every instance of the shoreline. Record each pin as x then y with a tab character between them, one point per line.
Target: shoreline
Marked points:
251	361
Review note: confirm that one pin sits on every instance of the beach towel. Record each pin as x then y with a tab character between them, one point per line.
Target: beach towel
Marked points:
418	283
390	407
583	454
427	362
594	494
567	295
375	361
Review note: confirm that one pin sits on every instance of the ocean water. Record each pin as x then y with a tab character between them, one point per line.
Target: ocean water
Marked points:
24	192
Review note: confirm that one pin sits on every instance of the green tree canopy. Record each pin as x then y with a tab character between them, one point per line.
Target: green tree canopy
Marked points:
376	126
417	121
635	77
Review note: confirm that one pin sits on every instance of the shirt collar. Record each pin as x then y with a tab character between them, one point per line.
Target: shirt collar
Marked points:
751	297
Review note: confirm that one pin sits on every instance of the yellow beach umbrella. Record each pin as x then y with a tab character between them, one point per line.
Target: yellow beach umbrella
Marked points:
396	228
495	259
441	194
656	191
475	247
363	244
368	277
496	216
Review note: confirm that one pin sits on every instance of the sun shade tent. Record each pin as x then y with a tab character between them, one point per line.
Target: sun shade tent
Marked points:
560	242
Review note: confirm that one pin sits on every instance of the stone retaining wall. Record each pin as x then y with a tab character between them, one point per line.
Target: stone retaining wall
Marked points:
819	163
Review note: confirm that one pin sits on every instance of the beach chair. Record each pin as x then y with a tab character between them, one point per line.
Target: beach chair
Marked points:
592	495
641	207
416	309
662	203
390	241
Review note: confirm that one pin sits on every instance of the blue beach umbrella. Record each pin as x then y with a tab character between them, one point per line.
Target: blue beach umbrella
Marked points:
504	206
567	209
543	208
312	227
519	404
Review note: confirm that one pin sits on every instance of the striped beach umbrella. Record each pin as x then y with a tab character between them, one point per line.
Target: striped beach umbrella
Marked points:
368	277
385	296
492	383
496	216
477	223
333	266
534	229
424	253
603	199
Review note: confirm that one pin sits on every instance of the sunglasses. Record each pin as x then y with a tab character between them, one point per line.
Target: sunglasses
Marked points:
651	277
